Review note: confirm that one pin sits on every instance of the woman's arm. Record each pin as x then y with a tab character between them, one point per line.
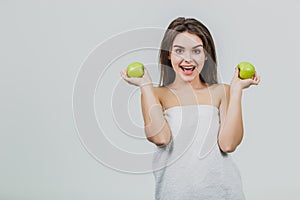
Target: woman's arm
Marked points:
231	128
155	125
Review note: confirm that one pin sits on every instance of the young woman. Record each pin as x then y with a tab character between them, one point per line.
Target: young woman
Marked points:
194	121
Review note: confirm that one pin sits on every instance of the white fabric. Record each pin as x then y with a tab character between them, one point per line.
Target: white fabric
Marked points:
191	166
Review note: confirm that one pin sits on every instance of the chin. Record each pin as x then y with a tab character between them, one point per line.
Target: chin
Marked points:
189	78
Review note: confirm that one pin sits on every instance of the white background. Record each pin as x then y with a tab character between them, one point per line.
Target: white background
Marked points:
43	44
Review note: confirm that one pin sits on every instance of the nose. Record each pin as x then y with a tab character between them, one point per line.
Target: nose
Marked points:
187	57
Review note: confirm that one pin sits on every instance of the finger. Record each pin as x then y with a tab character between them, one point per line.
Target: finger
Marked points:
124	76
145	71
122	73
258	79
236	72
255	81
255	75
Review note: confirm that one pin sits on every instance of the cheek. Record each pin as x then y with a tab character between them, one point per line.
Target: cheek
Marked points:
175	59
200	58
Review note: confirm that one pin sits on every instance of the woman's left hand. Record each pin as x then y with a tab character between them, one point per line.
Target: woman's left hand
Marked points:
239	84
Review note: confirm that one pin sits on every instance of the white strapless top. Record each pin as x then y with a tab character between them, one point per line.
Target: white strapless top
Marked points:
191	166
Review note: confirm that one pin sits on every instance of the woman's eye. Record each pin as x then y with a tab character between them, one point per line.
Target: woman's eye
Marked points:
196	51
179	51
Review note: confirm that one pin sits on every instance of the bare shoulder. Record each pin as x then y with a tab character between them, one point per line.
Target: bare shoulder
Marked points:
158	91
165	96
220	89
220	93
224	95
161	91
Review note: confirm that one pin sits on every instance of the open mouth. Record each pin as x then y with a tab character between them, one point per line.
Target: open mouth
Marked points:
187	69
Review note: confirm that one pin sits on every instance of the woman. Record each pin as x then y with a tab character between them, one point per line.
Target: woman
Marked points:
192	119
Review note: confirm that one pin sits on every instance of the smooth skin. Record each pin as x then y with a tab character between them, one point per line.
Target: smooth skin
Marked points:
187	89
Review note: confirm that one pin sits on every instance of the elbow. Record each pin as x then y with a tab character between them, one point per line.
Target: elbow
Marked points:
159	141
160	138
229	144
228	148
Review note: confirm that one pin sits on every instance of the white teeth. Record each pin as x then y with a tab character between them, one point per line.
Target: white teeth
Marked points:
187	68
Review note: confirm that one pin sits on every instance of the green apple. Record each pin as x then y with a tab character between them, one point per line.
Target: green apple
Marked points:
135	70
247	70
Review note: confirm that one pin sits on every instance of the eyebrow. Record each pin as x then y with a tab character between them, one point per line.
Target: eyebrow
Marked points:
200	45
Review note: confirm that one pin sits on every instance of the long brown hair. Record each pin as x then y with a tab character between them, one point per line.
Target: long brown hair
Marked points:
193	26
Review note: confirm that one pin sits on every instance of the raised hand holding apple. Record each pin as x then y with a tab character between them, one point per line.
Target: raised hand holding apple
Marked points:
244	76
136	74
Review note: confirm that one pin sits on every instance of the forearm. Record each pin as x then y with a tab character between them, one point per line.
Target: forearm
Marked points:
231	131
156	127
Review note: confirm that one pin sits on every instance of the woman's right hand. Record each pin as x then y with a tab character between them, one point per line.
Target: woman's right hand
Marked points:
140	82
239	84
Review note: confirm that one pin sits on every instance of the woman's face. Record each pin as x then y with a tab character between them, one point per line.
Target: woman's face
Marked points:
187	56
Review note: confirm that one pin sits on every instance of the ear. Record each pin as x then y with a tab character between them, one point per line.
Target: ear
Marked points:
169	57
